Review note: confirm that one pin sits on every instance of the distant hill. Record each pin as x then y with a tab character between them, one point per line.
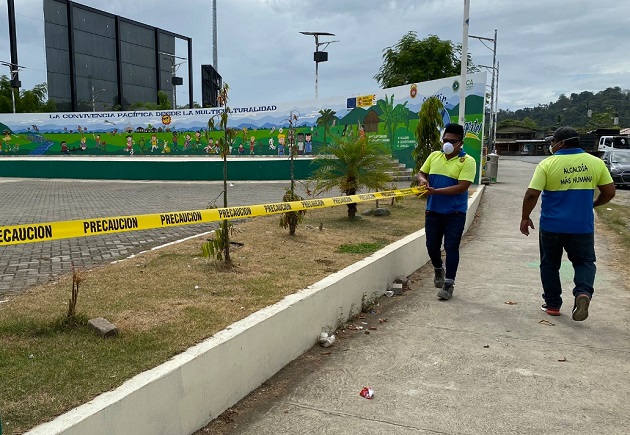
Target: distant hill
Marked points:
574	110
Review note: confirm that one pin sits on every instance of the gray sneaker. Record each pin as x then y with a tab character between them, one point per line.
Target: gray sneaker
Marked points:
580	308
438	279
447	291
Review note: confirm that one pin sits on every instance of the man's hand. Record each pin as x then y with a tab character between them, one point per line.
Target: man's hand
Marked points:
421	180
526	224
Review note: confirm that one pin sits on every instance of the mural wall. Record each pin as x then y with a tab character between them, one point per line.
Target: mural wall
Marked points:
389	115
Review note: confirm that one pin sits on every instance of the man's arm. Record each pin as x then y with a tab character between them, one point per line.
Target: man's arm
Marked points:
529	202
606	193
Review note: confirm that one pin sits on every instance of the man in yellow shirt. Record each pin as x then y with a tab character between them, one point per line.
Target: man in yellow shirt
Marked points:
447	175
567	180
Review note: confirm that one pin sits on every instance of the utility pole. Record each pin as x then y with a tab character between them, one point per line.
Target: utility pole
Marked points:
492	127
94	95
215	60
464	62
175	81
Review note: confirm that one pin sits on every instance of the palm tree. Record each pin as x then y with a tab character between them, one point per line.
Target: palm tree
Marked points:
351	164
325	120
428	131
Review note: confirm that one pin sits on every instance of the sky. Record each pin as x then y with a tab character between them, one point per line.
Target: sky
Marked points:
545	48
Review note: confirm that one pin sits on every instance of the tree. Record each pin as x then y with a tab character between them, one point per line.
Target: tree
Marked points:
291	219
162	104
26	101
326	118
351	164
220	246
430	124
412	61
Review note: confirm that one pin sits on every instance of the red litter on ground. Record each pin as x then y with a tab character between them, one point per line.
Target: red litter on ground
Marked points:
367	392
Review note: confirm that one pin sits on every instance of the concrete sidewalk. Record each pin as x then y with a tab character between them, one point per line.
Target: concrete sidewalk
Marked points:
473	365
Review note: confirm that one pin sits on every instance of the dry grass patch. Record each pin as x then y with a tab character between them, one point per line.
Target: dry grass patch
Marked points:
165	301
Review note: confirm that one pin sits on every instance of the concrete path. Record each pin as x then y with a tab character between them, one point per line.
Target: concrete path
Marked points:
489	361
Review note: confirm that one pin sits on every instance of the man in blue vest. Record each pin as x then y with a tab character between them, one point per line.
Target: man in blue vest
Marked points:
447	175
567	180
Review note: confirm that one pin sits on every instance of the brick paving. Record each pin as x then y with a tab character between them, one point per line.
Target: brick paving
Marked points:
27	201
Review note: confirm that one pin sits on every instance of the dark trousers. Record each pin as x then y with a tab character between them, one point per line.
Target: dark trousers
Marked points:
448	228
580	249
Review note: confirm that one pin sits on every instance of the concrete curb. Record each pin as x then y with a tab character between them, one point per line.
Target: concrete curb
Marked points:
193	388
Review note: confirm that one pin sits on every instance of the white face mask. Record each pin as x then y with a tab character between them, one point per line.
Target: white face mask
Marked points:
448	148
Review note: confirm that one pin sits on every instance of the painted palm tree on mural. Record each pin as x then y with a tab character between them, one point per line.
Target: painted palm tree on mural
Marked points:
325	120
392	116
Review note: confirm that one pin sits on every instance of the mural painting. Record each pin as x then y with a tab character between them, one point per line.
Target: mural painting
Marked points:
390	115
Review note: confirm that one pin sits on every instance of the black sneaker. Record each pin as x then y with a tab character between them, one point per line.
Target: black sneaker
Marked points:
580	308
446	292
438	279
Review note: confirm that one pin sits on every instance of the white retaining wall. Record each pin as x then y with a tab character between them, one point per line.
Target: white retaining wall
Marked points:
186	392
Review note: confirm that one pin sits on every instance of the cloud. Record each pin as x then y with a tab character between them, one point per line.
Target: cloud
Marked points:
544	48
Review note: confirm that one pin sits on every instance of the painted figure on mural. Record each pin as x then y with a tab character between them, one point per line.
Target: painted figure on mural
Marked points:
198	142
187	140
281	139
300	143
83	144
154	142
130	143
141	144
64	147
308	143
175	139
209	149
252	142
241	150
165	148
6	141
272	146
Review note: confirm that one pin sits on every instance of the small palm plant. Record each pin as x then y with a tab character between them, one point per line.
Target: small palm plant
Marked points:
351	164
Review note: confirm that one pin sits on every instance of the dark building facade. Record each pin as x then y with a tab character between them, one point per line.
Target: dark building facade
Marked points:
100	61
211	83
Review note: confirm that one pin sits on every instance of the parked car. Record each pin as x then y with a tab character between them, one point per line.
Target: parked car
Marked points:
618	163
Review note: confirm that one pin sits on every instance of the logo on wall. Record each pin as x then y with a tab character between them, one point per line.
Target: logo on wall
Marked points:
413	91
166	119
455	86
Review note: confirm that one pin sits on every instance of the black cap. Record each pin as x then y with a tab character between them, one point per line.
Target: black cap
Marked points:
563	133
454	129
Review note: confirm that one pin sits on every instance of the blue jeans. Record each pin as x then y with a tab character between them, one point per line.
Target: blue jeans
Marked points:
449	228
580	249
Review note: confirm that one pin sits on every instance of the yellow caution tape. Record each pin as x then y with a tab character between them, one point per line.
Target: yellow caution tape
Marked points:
43	232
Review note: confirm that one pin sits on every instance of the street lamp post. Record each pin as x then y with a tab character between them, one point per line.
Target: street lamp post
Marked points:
319	56
493	87
15	82
94	95
175	81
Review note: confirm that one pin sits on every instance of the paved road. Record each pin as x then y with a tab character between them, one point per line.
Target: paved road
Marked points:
40	200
